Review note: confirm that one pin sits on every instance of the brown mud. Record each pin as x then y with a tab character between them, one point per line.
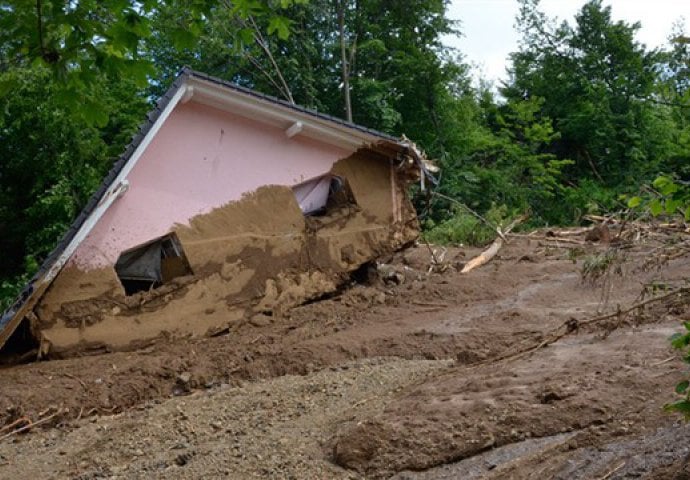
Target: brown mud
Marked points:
411	376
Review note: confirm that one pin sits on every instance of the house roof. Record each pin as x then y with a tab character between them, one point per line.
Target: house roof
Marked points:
297	108
207	88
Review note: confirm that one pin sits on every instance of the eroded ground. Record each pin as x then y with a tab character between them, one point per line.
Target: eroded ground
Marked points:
438	377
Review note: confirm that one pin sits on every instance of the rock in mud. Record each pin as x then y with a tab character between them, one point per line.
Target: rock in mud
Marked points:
261	320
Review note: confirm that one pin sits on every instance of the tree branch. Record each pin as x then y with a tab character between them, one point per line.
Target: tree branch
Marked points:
259	39
39	24
663	102
345	70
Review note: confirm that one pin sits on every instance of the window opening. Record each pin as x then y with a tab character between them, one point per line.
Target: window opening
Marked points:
322	195
151	265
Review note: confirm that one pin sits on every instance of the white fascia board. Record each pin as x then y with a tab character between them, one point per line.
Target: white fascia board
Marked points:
116	189
280	116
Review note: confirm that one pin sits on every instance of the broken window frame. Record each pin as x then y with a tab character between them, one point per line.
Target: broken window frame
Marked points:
325	203
150	265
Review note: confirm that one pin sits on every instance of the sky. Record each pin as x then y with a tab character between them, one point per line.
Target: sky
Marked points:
489	34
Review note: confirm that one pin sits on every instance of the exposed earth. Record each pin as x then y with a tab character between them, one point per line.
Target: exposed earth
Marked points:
513	370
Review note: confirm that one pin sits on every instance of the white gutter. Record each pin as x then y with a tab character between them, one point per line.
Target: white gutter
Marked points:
283	117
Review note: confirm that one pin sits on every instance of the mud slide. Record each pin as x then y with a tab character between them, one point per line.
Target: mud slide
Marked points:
402	375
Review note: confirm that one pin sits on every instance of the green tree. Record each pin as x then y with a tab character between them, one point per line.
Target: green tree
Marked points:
506	163
673	94
51	163
80	42
397	67
596	80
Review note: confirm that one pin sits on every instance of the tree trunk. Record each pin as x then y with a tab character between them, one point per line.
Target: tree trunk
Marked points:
345	67
491	252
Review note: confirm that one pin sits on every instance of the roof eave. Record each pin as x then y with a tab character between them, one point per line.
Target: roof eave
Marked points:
289	118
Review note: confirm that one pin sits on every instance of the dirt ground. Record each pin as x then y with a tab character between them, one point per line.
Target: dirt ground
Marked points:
497	373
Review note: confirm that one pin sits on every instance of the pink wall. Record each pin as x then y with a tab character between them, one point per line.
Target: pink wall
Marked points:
202	158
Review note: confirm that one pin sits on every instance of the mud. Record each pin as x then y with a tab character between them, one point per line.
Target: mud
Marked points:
413	379
255	255
463	413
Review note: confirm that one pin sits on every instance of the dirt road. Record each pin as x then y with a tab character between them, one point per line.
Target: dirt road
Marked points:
492	374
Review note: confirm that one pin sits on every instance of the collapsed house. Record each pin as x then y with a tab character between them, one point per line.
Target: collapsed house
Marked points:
227	203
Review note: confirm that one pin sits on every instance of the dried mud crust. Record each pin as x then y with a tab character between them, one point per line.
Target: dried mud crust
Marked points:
444	398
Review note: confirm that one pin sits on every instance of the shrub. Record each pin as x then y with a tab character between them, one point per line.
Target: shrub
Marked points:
463	228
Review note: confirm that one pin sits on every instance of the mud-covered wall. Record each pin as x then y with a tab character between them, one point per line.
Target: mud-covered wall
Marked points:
200	159
257	254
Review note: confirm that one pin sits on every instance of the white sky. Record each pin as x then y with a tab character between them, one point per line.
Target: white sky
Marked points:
489	34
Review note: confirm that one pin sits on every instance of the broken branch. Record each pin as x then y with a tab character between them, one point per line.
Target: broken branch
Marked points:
484	257
19	421
81	382
431	251
572	325
636	306
610	473
491	252
31	425
571	232
550	239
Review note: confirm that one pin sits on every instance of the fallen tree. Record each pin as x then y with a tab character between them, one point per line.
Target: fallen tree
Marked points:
493	249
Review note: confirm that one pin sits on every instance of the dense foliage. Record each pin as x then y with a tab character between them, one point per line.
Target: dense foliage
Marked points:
588	113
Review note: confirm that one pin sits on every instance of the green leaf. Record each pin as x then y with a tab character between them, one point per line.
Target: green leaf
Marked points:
6	86
122	37
669	189
634	202
656	207
183	38
681	406
93	113
280	26
687	214
682	387
680	341
248	8
660	182
672	205
139	71
246	36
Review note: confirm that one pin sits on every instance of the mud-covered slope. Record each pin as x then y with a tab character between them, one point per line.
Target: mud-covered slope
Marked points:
393	379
